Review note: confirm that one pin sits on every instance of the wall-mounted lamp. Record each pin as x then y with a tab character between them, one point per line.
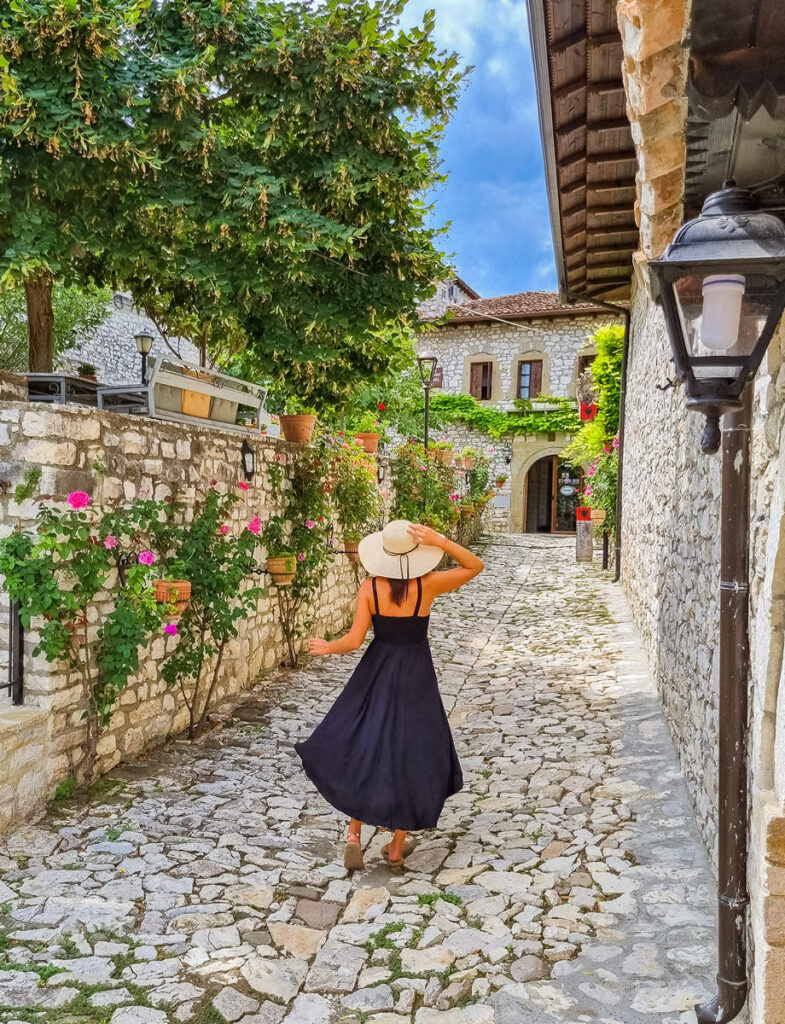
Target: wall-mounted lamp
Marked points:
381	472
249	459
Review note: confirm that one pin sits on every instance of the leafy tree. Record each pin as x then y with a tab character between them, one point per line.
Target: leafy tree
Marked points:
76	312
259	163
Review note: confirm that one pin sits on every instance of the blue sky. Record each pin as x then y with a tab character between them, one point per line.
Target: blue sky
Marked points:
495	195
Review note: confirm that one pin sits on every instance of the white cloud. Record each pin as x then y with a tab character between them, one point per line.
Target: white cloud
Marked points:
473	26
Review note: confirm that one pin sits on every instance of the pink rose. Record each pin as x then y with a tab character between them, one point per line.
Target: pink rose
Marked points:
146	558
278	457
242	485
309	524
255	526
301	557
110	543
615	442
171	629
224	529
592	470
587	492
78	499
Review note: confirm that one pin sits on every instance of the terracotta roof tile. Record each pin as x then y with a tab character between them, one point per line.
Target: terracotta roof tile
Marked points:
520	306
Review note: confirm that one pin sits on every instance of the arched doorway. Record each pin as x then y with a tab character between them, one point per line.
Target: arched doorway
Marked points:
552	496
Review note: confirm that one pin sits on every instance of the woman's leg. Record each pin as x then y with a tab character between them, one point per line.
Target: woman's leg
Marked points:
394	849
353	852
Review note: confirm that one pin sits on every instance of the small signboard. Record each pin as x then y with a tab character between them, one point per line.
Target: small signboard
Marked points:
501	501
437	380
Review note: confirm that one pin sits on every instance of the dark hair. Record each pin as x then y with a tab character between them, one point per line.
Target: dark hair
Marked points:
399	590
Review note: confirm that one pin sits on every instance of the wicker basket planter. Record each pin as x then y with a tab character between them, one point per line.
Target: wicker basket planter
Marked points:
350	548
283	569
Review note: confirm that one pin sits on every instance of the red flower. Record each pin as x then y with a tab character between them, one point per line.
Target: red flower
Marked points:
242	485
382	406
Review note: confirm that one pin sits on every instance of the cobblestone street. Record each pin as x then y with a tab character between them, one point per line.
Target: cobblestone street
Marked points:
566	882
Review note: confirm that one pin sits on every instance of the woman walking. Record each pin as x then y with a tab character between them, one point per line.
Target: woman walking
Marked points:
384	753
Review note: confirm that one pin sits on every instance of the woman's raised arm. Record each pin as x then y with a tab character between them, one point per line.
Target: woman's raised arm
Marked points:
449	579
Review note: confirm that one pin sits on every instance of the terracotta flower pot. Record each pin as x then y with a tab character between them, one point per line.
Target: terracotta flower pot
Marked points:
458	461
598	515
283	569
298	428
369	441
467	511
444	455
176	592
468	462
350	548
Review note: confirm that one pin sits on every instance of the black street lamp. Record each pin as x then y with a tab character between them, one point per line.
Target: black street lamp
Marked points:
721	282
144	342
427	366
722	287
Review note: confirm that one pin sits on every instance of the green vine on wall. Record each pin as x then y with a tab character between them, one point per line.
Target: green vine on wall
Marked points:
563	419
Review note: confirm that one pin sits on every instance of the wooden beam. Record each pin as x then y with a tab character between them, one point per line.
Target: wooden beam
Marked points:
612	124
564	44
574	186
571	126
624	207
600	233
603	284
609	249
570	88
572	159
610	186
611	260
600	159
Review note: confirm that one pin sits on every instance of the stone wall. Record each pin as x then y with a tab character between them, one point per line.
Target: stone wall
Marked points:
670	570
119	458
24	785
557	340
112	349
13	388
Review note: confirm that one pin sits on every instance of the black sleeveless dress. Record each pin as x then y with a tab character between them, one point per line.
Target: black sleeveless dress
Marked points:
384	751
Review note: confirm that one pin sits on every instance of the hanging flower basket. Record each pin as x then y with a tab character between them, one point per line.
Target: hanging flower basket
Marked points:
298	428
282	569
468	462
588	412
369	441
598	516
583	514
176	592
444	455
350	549
467	511
458	460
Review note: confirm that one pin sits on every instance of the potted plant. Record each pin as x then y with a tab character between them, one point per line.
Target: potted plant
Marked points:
501	480
358	502
468	458
298	421
351	542
598	516
443	450
467	509
281	560
88	371
458	461
367	430
173	590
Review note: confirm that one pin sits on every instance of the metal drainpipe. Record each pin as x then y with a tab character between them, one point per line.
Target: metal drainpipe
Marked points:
732	898
622	403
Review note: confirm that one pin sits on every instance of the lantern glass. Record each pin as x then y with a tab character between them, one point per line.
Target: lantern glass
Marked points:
144	342
722	317
427	364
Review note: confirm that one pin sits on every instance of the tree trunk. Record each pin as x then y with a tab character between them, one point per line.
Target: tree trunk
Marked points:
40	323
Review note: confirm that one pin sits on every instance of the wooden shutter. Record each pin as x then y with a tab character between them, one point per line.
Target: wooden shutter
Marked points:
475	380
488	375
535	387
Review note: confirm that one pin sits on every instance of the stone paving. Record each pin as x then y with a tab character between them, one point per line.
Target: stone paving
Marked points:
565	883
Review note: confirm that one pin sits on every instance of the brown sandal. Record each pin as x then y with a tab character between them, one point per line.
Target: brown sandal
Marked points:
353	853
386	855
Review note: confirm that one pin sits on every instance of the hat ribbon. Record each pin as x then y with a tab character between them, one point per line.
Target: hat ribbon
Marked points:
401	555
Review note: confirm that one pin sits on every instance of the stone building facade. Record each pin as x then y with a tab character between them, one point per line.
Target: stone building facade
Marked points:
111	347
43	742
502	333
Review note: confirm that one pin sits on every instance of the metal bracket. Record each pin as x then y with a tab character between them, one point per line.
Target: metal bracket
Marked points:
738	903
733	586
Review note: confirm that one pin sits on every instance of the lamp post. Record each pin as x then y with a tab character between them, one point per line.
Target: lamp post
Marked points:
427	365
722	287
144	342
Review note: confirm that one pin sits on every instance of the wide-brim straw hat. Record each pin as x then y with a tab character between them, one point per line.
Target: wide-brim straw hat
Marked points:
394	553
